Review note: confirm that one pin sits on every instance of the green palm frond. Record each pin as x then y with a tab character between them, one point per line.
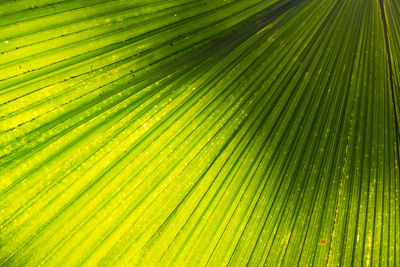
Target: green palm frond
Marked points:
199	132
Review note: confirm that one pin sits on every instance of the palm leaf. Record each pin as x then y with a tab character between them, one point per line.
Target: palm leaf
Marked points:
183	132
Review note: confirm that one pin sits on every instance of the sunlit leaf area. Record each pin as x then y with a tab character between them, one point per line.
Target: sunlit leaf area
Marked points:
199	133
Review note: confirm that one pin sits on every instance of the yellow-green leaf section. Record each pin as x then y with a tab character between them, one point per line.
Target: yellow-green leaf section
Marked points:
199	133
